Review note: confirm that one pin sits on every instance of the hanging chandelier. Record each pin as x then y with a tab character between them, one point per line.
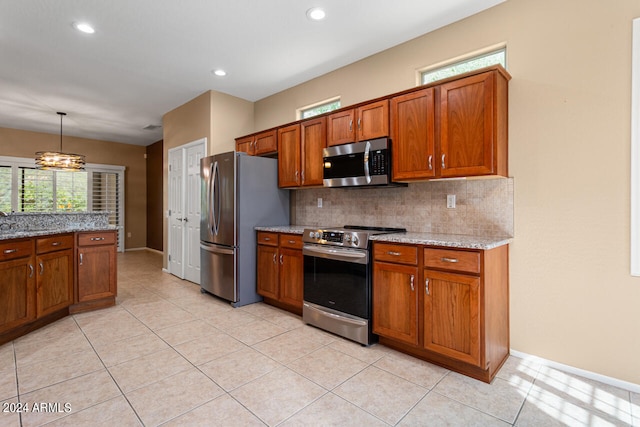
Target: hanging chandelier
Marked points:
57	159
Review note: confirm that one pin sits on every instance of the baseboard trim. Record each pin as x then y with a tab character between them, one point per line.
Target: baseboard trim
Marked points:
577	371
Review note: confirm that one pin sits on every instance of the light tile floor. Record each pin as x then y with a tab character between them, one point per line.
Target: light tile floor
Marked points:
169	355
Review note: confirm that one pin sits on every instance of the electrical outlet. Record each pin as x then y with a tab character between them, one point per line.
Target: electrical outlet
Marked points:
129	234
451	201
319	202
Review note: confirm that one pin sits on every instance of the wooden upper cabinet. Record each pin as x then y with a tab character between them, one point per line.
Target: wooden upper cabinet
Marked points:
245	145
266	142
373	120
314	140
470	137
258	144
366	122
289	156
340	129
413	135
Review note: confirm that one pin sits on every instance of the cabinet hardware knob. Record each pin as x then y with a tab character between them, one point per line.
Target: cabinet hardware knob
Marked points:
41	268
31	270
443	165
292	241
451	260
274	258
56	243
80	258
394	253
359	122
10	251
266	239
281	260
412	285
350	125
426	287
431	162
102	238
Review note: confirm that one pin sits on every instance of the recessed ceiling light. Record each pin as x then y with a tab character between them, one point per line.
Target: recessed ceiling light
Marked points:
220	73
316	14
84	27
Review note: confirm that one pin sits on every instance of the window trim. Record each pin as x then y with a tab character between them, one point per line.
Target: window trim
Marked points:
460	60
16	162
300	111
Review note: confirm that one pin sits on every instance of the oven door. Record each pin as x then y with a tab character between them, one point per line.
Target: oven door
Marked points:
337	279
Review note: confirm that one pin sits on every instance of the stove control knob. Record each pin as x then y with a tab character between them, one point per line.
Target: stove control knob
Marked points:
355	240
347	238
318	234
311	234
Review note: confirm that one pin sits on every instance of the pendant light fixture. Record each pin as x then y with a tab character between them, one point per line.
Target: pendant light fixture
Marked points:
57	159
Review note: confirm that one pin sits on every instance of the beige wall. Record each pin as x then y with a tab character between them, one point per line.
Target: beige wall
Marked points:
19	143
572	298
213	115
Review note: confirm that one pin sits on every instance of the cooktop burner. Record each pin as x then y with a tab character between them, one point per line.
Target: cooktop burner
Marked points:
350	236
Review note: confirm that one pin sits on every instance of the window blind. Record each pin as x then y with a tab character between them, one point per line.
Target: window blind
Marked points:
5	188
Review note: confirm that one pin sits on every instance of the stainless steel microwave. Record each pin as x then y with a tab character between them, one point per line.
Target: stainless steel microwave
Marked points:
365	163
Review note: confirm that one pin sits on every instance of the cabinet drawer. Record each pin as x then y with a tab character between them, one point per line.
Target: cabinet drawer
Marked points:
452	259
401	254
14	250
54	243
267	238
97	238
293	241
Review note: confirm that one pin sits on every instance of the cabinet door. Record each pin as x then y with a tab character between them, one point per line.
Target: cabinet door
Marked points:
54	281
96	272
340	128
314	140
17	293
452	315
267	264
291	276
466	127
245	145
265	143
289	156
413	135
373	120
395	302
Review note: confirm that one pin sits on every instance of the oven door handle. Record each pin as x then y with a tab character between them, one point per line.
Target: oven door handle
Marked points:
337	254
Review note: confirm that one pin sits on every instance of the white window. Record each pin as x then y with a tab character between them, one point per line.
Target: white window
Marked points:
23	188
461	66
319	108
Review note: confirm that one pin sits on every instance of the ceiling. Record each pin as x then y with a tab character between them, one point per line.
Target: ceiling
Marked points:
148	57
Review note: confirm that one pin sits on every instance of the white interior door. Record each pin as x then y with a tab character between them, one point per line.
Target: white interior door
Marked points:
192	212
176	203
184	210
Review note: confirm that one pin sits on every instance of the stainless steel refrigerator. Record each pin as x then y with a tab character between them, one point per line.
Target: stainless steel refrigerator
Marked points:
239	192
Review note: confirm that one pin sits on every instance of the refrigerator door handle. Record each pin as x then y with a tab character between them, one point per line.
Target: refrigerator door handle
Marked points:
216	198
209	200
216	249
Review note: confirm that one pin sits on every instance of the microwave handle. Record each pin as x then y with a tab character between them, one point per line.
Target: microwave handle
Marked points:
367	175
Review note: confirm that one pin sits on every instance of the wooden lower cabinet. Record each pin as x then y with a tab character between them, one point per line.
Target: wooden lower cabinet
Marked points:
450	308
96	270
17	288
280	270
394	286
54	281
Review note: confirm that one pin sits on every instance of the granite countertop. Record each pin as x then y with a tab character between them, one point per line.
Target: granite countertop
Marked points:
20	234
447	240
432	239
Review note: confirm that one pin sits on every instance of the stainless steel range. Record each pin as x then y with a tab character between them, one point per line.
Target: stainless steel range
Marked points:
337	280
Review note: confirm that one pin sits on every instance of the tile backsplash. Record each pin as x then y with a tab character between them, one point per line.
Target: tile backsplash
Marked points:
484	207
